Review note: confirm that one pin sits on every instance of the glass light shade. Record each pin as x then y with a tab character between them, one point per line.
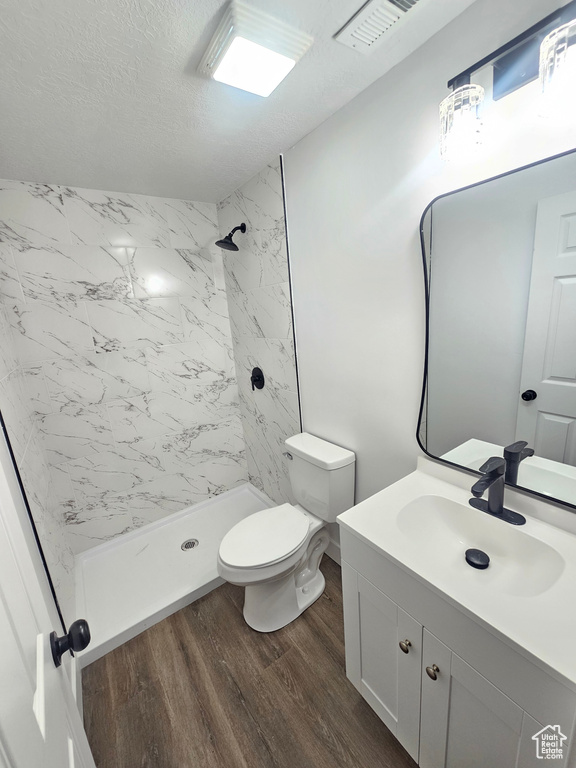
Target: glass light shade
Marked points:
558	71
460	121
252	67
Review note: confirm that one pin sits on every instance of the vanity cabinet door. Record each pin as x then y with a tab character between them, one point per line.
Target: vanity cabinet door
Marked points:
465	720
387	676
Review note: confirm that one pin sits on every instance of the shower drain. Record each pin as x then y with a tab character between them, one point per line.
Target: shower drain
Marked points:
189	544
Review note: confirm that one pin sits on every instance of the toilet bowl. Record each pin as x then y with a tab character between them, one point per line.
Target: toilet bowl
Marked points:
275	554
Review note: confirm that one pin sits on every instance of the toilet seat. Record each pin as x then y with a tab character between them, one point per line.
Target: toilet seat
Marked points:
265	538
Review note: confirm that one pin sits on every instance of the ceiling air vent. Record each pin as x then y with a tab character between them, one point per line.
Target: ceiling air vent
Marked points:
365	29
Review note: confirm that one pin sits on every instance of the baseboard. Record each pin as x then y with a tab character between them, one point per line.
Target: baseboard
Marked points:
333	552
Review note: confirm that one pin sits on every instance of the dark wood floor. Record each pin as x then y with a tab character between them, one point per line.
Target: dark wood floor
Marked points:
203	690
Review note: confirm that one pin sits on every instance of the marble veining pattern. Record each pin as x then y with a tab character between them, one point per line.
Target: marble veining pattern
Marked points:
261	323
10	287
203	443
98	476
170	272
116	368
15	412
108	218
191	224
32	214
136	418
44	330
206	317
267	467
96	378
7	352
71	272
134	324
50	525
36	390
74	431
176	367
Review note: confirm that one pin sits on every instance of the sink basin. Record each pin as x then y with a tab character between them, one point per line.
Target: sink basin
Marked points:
424	524
441	530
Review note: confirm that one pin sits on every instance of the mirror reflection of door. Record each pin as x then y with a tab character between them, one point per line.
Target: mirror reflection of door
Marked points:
548	422
500	257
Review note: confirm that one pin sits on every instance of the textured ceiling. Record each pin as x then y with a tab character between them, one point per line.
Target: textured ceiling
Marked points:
104	93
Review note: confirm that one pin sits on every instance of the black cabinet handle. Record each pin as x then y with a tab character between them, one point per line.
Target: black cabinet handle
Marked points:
529	395
77	639
257	378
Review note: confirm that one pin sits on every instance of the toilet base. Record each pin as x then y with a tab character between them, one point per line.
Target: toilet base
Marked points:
273	605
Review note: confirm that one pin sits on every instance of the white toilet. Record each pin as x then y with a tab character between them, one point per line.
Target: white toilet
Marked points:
276	553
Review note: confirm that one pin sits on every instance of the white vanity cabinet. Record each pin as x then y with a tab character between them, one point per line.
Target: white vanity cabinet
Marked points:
487	700
386	676
465	720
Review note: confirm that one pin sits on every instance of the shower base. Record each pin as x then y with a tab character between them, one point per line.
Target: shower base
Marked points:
129	584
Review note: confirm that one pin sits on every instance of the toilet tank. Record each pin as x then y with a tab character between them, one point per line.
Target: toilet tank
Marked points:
321	475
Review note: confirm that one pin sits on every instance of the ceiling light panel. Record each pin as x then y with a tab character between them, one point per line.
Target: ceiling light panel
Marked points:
253	51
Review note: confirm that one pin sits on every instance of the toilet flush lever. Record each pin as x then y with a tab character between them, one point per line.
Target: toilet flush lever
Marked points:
288	455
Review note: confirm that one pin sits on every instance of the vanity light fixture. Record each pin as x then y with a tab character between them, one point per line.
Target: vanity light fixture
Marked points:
558	69
546	50
460	120
253	51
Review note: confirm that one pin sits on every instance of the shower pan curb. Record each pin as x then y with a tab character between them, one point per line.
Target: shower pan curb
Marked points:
127	585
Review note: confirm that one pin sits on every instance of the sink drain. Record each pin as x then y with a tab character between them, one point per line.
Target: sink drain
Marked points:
477	559
189	544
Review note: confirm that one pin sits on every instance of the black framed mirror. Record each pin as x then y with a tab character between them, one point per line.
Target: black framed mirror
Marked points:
499	262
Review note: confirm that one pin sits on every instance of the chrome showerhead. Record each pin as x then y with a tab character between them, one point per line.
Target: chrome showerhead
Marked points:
227	243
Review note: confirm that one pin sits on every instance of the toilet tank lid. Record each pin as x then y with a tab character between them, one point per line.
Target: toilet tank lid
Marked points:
319	452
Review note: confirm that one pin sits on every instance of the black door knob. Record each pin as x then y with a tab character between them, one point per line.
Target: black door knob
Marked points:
77	639
257	378
529	395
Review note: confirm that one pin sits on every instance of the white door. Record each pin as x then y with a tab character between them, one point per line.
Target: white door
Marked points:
548	422
40	726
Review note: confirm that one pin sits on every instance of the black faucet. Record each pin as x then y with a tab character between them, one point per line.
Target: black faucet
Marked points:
493	481
514	454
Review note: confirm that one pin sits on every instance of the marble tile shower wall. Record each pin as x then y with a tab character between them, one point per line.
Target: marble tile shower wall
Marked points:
261	320
121	339
24	438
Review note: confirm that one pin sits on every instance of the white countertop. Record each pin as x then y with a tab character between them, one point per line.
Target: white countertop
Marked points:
534	615
551	478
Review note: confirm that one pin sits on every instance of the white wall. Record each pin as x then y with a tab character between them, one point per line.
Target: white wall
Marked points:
356	188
